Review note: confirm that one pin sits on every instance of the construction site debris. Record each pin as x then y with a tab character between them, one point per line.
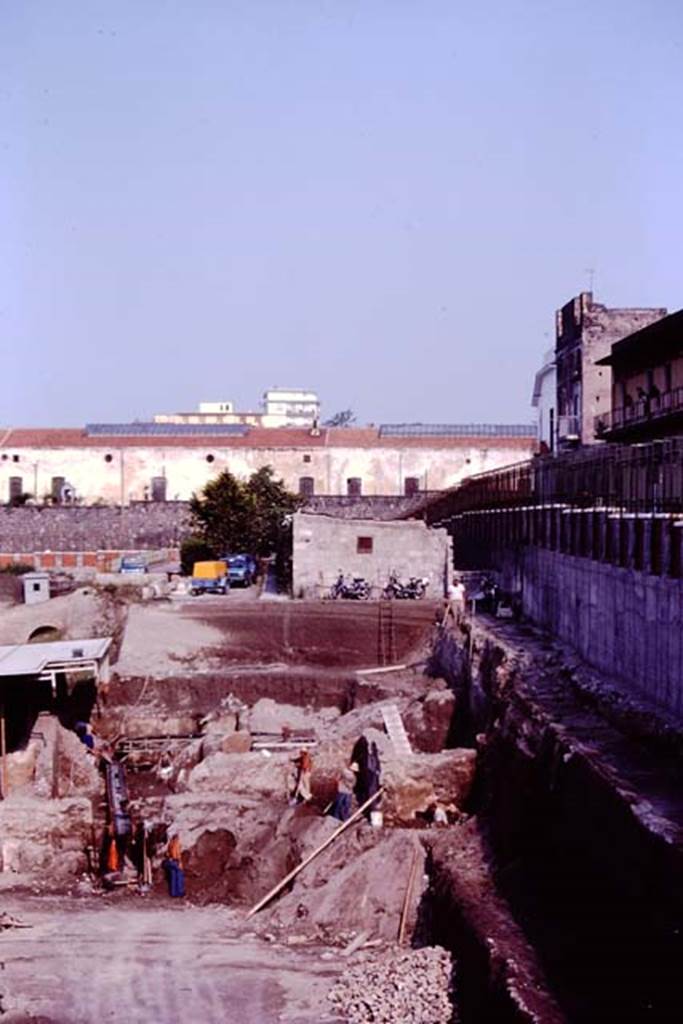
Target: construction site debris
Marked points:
357	885
414	987
323	846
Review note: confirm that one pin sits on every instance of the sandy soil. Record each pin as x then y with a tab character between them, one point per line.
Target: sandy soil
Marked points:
84	961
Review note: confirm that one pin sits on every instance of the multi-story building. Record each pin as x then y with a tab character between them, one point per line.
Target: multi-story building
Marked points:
120	463
585	332
282	407
292	406
647	384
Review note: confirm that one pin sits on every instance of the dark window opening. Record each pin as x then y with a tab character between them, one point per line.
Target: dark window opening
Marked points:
411	485
210	458
364	546
108	457
307	458
57	488
306	486
15	458
16	487
354	487
158	488
35	587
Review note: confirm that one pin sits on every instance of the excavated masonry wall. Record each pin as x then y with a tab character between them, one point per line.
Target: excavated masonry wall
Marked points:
589	867
626	622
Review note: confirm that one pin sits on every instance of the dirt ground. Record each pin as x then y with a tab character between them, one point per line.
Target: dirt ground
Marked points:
83	961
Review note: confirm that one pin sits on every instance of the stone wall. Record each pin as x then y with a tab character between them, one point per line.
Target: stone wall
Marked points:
148	526
324	545
144	526
626	623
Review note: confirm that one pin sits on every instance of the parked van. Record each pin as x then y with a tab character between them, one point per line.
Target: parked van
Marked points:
209	578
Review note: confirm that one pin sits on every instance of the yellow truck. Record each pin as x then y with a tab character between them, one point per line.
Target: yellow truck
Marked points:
209	578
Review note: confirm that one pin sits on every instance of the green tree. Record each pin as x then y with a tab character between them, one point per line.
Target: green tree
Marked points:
231	515
192	550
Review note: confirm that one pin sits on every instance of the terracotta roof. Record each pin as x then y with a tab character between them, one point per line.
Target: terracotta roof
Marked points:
258	437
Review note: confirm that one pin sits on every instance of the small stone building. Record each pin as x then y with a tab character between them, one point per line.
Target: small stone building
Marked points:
324	546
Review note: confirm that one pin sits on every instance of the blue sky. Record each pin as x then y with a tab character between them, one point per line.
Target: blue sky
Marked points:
379	199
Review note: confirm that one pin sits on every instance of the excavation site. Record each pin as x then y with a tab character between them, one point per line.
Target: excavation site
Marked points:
311	810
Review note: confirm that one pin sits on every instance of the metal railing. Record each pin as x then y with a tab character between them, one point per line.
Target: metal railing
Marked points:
635	478
640	412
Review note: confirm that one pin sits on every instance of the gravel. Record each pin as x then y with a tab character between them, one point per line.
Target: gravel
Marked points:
399	987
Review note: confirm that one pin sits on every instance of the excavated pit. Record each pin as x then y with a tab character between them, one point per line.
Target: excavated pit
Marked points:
557	887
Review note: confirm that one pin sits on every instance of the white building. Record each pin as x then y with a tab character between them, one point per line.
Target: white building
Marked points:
544	400
281	407
291	407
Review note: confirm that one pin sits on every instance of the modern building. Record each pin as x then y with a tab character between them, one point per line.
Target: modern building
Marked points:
294	407
647	384
584	334
282	407
120	463
544	400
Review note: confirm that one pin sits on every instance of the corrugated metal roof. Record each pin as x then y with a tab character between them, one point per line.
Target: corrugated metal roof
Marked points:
32	659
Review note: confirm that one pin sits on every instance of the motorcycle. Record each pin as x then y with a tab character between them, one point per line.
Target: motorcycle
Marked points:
413	590
355	589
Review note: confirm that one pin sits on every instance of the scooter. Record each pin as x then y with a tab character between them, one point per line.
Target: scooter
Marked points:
413	590
356	589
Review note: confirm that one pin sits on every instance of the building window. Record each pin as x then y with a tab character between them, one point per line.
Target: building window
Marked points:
667	377
15	458
364	545
35	587
108	457
306	486
307	458
16	488
354	487
411	485
57	488
210	458
158	488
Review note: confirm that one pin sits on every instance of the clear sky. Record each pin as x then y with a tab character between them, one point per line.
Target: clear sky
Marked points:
383	200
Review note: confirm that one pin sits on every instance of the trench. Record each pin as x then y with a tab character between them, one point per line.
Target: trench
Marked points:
567	906
581	823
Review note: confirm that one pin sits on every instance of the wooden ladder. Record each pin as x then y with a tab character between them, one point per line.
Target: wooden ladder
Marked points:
386	633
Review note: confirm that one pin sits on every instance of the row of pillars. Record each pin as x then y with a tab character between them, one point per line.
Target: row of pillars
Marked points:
645	543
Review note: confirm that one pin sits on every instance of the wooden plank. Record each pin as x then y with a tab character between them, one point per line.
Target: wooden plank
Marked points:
323	846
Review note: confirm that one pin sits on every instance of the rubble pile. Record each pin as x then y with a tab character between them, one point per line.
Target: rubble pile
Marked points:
413	987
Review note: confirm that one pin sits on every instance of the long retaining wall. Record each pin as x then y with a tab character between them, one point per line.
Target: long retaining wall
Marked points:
608	583
624	622
145	526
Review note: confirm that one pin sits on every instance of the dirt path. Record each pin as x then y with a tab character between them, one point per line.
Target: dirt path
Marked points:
83	962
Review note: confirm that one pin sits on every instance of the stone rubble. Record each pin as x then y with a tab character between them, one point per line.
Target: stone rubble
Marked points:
400	987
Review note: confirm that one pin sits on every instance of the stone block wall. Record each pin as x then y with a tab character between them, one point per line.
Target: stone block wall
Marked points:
324	545
625	622
143	526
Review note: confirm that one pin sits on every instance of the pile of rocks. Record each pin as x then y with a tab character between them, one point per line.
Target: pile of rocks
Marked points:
410	986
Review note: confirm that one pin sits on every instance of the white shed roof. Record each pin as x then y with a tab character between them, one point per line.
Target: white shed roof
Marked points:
32	659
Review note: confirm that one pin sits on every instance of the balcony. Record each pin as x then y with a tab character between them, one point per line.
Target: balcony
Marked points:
646	417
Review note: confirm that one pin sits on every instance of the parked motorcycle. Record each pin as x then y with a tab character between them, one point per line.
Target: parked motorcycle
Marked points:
413	590
354	589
